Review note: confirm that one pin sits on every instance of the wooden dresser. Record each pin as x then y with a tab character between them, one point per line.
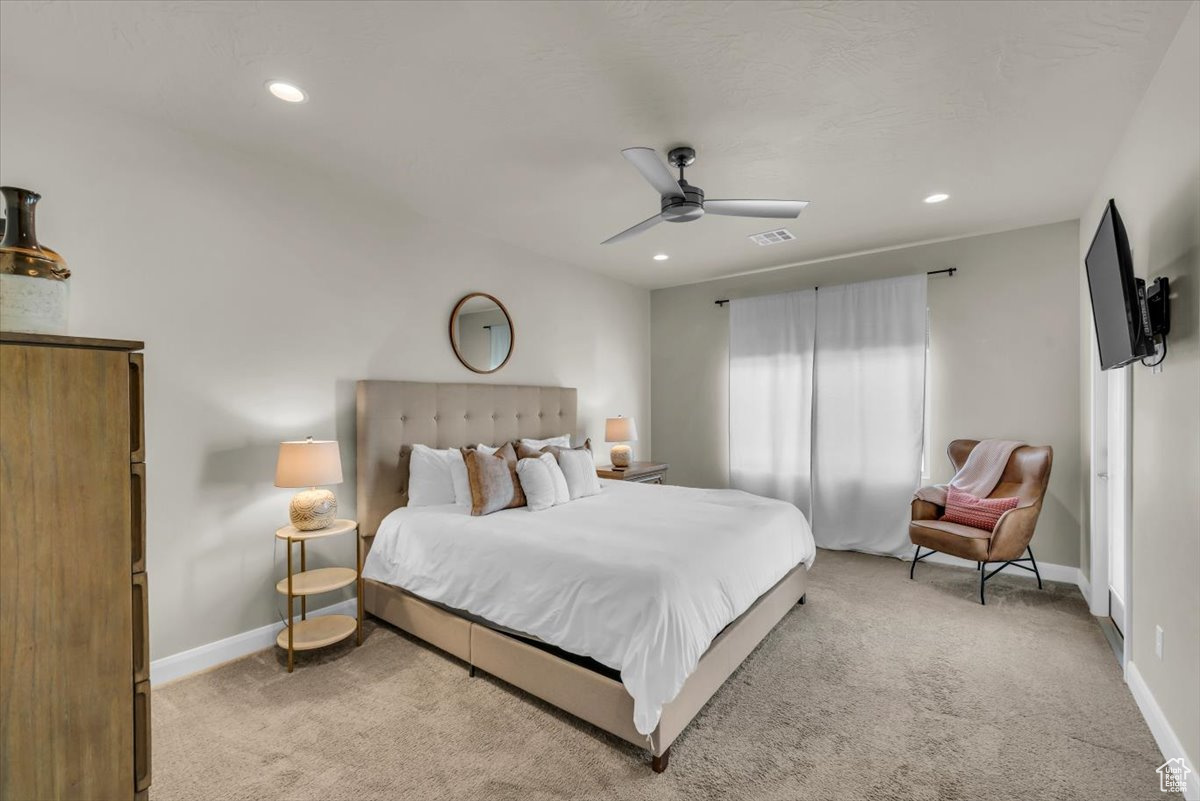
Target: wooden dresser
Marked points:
74	643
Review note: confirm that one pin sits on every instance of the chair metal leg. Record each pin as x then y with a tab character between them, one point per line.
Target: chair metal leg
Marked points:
916	557
982	583
1034	563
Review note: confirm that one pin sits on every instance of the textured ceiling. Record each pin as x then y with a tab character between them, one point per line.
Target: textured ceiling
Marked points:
509	119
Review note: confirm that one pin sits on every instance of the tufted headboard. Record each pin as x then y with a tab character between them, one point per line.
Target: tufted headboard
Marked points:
395	413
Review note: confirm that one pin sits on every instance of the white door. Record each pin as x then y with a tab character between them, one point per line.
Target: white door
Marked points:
1111	496
1119	389
1099	601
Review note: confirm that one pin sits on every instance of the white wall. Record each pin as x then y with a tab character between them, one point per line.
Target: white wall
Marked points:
1155	179
263	291
1004	343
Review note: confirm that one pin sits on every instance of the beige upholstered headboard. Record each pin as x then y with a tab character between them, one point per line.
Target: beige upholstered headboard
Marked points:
395	413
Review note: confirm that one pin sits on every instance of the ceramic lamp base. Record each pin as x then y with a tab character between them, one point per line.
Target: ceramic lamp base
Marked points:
33	305
313	509
622	456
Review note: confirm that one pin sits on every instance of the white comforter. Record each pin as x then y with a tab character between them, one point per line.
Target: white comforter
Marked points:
640	578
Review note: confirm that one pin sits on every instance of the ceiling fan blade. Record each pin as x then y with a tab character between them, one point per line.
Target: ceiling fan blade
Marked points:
635	230
755	208
653	170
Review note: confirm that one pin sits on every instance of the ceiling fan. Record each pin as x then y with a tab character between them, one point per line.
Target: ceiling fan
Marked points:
682	202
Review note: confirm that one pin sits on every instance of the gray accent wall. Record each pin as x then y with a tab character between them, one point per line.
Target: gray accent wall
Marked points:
1004	347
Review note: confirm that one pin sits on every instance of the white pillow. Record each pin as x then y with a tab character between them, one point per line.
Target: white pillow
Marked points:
458	475
580	472
543	482
437	477
561	441
486	450
562	493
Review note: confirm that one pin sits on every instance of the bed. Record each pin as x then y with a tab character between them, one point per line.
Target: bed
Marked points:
627	609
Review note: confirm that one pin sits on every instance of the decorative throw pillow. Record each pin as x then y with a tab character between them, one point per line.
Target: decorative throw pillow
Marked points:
561	441
430	477
580	471
982	513
493	480
405	468
529	452
543	482
507	451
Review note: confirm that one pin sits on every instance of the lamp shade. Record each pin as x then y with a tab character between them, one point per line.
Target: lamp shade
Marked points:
620	429
308	464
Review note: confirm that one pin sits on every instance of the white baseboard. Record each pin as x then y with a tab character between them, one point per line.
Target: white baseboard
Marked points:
1049	570
1164	735
216	653
1085	587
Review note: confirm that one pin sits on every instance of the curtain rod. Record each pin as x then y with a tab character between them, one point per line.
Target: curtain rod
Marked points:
947	271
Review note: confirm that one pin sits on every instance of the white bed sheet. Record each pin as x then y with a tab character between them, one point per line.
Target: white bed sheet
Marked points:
640	578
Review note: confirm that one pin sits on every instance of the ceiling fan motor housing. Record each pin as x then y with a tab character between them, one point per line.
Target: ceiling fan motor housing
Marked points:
689	207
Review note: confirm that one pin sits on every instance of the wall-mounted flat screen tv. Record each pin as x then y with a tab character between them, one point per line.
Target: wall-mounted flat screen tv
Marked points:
1118	298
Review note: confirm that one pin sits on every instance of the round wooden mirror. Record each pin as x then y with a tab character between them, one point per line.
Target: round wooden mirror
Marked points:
481	333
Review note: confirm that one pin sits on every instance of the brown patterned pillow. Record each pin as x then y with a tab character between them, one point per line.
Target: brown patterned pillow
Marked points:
493	480
405	467
554	449
526	452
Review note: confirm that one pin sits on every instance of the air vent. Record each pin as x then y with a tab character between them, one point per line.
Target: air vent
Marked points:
772	237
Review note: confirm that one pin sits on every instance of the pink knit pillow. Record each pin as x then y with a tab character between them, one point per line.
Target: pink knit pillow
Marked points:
965	508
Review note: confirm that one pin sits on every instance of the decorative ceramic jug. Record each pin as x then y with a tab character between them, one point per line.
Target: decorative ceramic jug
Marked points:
33	278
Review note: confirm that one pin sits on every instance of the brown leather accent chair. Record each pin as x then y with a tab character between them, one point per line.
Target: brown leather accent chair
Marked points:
1025	476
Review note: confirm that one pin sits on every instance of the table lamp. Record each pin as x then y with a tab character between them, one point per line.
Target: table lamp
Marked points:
310	464
620	429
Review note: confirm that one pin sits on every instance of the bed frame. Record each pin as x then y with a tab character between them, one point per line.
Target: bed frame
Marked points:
396	413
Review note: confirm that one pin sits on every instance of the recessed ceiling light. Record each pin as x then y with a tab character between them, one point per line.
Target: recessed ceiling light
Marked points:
661	257
286	91
937	197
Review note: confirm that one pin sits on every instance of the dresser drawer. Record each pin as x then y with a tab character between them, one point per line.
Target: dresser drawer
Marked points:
137	516
141	736
141	627
137	422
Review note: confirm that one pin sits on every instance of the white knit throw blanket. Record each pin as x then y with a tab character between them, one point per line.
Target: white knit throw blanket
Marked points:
979	475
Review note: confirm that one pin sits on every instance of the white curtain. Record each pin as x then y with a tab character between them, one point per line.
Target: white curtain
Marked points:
501	339
869	404
770	395
826	406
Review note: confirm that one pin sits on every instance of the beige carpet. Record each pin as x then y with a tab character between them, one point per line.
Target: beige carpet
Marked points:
878	688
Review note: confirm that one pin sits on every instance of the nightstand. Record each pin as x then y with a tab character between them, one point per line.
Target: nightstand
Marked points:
306	634
640	472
